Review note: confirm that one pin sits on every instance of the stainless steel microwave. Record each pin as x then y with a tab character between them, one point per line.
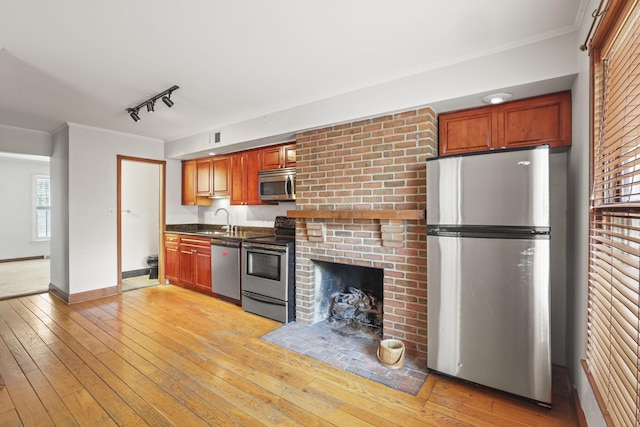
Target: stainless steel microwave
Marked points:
277	184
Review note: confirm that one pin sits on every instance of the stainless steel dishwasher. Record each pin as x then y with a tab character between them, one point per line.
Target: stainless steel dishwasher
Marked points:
225	268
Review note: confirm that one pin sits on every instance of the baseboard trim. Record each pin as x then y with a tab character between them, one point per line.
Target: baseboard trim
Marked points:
58	293
577	409
83	296
135	273
29	258
596	393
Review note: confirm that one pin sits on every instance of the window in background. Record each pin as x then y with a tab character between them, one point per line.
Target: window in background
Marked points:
613	330
41	214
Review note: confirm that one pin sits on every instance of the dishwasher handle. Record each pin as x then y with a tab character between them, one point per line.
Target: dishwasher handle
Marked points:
226	243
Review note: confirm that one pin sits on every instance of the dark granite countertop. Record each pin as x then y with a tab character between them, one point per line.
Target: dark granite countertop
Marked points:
216	231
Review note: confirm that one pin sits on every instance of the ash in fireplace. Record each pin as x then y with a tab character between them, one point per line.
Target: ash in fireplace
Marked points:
357	309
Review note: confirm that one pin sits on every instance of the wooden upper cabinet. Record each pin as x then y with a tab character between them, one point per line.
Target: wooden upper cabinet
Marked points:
220	173
234	175
204	177
536	121
279	156
289	154
469	130
529	122
245	166
189	181
253	165
271	158
237	177
212	177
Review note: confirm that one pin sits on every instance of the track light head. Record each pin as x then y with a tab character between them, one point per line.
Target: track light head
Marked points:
134	114
167	100
150	105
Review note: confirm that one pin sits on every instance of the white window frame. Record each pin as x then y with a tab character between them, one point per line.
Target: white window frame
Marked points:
35	208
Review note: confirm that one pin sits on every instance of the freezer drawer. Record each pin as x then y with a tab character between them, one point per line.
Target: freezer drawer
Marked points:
502	188
488	312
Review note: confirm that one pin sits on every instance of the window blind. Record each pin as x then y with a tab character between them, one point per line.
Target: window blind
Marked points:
613	332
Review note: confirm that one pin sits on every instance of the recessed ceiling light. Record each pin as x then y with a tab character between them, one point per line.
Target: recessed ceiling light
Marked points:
497	98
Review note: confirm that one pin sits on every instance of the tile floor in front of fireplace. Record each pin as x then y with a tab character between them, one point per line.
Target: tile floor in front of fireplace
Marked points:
355	353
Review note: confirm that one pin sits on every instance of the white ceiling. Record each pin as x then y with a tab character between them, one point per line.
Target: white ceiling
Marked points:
86	61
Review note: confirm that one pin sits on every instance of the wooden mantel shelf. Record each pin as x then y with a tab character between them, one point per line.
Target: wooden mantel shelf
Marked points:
359	214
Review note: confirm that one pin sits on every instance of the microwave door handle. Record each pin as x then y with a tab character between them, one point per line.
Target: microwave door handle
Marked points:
293	183
286	187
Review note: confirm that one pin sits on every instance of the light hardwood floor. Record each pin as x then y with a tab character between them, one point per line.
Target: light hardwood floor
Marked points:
168	356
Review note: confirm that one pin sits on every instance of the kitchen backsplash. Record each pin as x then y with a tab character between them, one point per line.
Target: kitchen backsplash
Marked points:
246	216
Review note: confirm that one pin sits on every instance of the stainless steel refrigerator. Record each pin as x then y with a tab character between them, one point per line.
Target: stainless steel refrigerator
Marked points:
488	245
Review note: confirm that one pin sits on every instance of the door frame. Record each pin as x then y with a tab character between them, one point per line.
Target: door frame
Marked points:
161	216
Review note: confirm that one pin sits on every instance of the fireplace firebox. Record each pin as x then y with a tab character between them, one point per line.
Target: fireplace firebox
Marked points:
349	296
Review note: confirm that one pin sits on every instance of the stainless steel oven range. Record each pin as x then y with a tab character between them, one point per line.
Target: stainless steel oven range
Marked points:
268	273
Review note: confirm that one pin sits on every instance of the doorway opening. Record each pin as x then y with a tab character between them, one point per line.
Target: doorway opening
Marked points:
141	219
26	224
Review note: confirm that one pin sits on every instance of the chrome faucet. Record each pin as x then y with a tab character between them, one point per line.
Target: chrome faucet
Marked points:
228	226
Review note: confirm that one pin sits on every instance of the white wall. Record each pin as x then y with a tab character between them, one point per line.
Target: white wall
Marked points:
545	61
578	231
17	222
25	141
60	210
92	195
140	196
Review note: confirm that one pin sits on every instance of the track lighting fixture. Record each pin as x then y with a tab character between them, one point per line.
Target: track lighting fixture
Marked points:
167	100
134	114
151	102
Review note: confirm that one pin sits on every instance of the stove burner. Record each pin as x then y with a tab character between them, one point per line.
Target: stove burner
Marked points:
284	230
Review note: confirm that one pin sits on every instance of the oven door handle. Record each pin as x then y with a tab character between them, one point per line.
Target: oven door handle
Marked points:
265	249
263	298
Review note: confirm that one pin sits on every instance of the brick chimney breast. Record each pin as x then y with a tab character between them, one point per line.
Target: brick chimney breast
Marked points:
367	165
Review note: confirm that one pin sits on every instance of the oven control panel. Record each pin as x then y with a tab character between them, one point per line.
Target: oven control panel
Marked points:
286	223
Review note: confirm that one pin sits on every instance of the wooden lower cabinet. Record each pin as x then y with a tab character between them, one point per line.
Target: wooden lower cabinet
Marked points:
171	257
187	265
202	268
188	261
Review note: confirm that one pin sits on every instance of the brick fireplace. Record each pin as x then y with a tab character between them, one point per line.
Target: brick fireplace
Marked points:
361	196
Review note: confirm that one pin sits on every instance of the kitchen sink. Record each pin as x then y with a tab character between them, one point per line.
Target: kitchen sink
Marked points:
212	232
